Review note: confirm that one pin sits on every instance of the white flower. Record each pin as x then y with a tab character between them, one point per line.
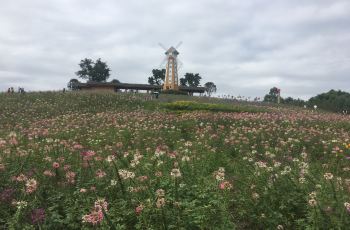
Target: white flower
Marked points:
159	153
312	202
312	195
304	155
110	158
160	192
175	173
347	205
255	196
113	182
220	174
328	176
126	174
20	204
185	158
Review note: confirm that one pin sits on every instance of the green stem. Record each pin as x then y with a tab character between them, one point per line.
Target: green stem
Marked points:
164	220
119	179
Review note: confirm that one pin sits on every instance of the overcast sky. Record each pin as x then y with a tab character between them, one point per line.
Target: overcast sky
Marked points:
245	47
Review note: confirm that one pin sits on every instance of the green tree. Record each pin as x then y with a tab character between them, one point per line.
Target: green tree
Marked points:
336	101
183	82
210	88
272	96
191	79
93	71
115	81
292	101
72	84
157	78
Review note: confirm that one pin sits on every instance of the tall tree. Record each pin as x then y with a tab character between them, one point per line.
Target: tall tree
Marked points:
191	79
100	72
272	96
210	88
86	66
93	71
157	78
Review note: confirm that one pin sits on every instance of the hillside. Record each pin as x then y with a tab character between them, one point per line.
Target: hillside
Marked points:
128	161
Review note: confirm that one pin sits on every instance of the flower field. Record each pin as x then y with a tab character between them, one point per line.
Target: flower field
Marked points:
125	161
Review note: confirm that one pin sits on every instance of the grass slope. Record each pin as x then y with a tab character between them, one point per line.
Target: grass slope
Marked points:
127	161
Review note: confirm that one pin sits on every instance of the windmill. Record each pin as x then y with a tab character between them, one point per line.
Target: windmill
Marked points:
171	76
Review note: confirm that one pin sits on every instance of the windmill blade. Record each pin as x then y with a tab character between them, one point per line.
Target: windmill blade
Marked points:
178	45
161	45
180	64
162	63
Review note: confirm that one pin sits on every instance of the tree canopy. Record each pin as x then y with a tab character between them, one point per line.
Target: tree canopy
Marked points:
115	81
272	96
191	79
97	71
157	78
72	84
210	88
336	101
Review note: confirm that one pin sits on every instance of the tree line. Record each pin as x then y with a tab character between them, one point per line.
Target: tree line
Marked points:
98	71
333	100
189	79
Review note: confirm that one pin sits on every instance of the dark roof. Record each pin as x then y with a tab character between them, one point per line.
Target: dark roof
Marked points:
136	86
192	89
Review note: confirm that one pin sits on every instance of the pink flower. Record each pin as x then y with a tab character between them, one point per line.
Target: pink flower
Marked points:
13	141
38	215
101	204
56	165
139	209
2	143
142	178
93	218
77	146
225	185
87	155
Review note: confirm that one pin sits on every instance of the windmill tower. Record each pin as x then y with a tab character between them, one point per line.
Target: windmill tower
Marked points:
171	75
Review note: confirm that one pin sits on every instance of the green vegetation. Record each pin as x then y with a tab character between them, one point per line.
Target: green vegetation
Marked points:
157	77
335	101
191	79
193	105
97	71
126	161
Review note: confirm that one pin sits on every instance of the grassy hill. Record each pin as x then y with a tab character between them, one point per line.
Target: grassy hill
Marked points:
127	161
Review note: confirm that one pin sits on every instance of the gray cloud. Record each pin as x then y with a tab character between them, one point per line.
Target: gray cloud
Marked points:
245	47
